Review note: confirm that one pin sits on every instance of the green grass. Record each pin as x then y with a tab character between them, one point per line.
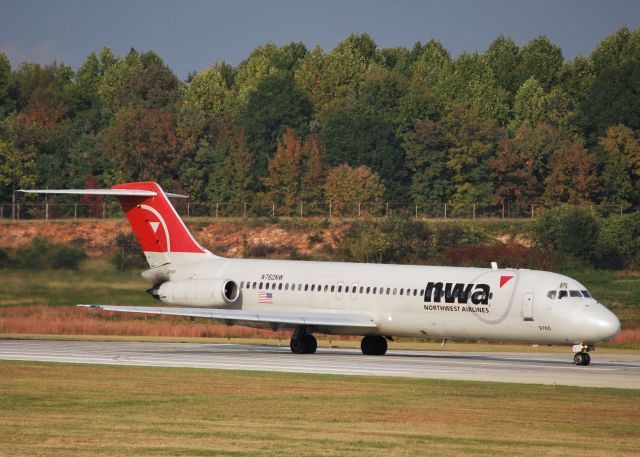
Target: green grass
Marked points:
63	409
97	281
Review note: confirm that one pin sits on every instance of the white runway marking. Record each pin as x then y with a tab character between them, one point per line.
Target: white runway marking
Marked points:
606	370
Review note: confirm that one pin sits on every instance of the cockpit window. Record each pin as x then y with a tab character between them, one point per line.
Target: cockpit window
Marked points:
562	294
585	294
551	294
575	293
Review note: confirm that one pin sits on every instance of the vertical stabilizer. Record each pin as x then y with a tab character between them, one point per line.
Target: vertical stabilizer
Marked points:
162	234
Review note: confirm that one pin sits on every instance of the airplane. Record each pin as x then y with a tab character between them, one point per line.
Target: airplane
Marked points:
375	301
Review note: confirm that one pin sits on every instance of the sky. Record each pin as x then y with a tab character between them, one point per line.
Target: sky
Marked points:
191	35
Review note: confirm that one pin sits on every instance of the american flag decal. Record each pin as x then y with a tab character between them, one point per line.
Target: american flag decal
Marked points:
265	297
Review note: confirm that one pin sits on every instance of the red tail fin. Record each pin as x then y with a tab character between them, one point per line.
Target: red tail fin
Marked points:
156	224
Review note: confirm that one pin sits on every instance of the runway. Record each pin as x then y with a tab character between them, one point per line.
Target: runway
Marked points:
606	370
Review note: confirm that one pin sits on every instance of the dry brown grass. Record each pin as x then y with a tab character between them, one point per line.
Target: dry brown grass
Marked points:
65	320
60	410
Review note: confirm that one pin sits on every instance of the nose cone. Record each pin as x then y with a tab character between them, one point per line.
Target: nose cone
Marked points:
604	324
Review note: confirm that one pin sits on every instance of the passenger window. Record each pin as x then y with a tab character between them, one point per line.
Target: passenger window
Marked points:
273	286
299	287
388	290
333	288
368	289
326	288
575	293
260	285
421	292
306	287
361	289
395	290
280	286
266	286
586	294
255	284
375	289
313	286
286	286
339	288
401	291
562	294
415	292
551	294
241	284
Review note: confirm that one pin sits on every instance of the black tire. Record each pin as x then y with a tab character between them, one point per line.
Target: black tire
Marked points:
306	344
310	344
373	345
296	346
580	358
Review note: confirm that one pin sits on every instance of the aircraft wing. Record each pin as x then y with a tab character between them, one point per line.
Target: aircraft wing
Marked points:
277	319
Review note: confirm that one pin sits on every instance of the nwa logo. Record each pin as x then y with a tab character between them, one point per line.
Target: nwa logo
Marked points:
457	293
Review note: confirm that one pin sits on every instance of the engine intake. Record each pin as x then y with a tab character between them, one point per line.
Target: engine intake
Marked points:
206	293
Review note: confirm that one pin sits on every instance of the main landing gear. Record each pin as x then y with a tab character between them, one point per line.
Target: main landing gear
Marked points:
582	357
373	345
303	342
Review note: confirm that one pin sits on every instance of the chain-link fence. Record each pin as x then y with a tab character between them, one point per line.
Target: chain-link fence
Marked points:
79	210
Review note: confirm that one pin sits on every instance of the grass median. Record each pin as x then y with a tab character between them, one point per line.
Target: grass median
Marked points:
65	409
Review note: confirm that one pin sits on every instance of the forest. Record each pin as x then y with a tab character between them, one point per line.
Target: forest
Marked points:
514	126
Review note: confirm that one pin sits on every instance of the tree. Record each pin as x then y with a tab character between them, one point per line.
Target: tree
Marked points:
381	93
208	92
313	169
285	170
17	170
503	56
141	145
432	65
621	170
348	186
357	138
260	64
276	105
473	139
541	60
334	79
296	172
529	107
513	177
572	178
138	81
6	78
427	149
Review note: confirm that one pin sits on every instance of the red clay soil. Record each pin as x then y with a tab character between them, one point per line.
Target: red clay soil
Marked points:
226	239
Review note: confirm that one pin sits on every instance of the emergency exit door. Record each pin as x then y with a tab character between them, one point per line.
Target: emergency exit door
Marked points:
527	307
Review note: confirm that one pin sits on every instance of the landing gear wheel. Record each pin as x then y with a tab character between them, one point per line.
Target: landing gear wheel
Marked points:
582	359
310	344
306	344
373	345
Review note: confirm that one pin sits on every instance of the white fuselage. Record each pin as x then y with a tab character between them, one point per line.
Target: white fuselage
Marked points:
416	301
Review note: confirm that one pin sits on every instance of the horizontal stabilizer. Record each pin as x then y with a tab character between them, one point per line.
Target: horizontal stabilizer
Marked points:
326	319
105	192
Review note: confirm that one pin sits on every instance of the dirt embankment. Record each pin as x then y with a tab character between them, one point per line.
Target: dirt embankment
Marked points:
226	239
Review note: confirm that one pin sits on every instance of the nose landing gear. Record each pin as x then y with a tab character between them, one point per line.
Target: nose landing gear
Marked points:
582	357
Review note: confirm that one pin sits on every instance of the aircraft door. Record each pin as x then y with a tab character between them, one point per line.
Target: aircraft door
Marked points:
527	307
